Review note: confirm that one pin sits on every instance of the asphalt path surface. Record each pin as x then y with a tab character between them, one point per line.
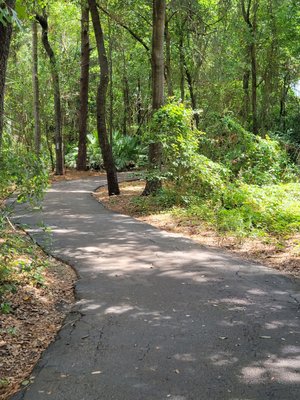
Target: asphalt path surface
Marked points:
159	316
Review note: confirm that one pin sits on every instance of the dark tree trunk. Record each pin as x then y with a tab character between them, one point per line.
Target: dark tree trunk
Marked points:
139	104
126	100
284	93
182	61
5	38
157	59
168	59
84	88
252	25
59	165
192	95
36	92
111	91
49	145
112	179
246	98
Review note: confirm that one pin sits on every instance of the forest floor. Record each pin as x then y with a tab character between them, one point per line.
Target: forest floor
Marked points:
37	296
280	253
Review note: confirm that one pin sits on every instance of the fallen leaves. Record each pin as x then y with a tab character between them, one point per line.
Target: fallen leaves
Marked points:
32	324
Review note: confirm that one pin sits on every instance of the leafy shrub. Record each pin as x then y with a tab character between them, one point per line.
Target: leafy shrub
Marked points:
171	125
272	208
250	209
21	172
127	151
94	157
251	158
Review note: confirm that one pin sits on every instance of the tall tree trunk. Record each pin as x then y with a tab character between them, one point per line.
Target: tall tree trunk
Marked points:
252	26
5	38
284	93
246	98
112	179
192	95
126	99
139	103
111	91
84	88
36	92
157	59
168	59
181	63
59	165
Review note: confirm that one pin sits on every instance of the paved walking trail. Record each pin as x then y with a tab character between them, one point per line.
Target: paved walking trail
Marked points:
159	316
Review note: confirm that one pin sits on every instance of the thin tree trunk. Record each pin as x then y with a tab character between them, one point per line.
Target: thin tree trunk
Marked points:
155	149
246	98
181	63
59	168
112	179
168	59
36	92
84	88
5	38
139	104
192	95
252	25
126	100
284	93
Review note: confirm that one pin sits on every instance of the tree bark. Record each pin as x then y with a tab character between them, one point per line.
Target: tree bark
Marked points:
84	88
157	60
59	162
181	63
252	26
168	59
5	38
126	99
111	91
193	96
112	179
36	92
246	98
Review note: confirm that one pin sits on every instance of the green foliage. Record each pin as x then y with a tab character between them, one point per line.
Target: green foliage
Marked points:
21	172
249	209
127	151
94	157
172	127
251	158
20	263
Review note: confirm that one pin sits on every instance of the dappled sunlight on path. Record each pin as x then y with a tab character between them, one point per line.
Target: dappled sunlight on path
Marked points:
158	316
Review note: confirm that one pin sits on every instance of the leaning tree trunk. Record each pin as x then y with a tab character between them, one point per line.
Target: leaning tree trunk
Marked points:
155	149
84	88
35	83
112	179
5	38
59	167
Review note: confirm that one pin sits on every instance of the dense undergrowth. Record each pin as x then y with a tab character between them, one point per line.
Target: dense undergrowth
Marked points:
233	180
24	177
20	264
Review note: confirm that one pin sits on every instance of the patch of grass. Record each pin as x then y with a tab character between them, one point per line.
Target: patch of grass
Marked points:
250	210
243	210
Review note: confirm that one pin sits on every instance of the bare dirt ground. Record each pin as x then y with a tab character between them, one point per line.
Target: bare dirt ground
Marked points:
283	254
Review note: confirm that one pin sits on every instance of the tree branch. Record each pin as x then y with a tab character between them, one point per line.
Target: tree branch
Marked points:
123	25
